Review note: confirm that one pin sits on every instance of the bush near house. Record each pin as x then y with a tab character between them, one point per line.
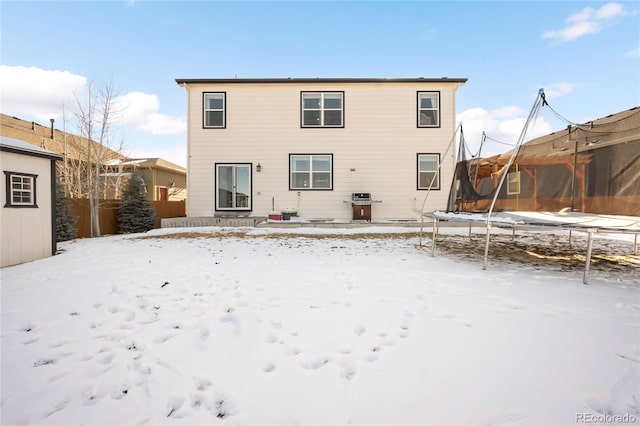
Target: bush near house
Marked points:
135	213
65	221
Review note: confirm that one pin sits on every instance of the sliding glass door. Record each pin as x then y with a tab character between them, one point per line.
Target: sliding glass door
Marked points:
233	186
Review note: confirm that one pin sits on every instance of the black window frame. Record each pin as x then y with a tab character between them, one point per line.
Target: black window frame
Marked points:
216	182
224	110
9	190
322	109
438	186
418	109
310	188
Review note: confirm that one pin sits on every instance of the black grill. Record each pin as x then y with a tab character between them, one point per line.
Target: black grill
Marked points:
361	197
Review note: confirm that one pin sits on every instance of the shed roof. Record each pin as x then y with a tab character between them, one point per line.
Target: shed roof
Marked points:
15	145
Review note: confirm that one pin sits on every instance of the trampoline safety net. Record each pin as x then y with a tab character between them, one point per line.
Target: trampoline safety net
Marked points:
592	168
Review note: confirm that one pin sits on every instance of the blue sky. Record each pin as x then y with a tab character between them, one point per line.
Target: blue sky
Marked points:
586	55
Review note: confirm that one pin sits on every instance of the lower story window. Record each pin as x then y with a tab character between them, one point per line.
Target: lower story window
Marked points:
428	171
21	189
513	183
311	171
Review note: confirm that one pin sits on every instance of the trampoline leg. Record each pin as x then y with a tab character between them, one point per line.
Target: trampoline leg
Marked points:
486	247
433	237
588	260
570	239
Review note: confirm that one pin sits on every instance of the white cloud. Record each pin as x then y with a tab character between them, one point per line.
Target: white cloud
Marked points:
573	32
633	53
139	110
504	125
34	93
428	34
610	10
558	90
37	93
587	21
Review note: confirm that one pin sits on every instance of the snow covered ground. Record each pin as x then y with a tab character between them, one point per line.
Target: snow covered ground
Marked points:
321	326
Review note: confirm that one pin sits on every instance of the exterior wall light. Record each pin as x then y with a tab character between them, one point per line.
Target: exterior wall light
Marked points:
258	168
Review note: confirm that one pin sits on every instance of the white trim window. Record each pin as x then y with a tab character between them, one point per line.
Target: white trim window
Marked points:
322	109
311	171
513	183
21	189
428	171
428	109
214	110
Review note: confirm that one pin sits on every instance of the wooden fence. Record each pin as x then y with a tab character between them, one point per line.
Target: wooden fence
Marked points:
108	214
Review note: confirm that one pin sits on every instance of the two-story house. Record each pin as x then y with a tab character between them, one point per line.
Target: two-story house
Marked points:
307	145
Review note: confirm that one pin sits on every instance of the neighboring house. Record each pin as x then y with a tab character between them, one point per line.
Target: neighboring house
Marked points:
592	167
28	203
164	180
159	175
75	150
307	145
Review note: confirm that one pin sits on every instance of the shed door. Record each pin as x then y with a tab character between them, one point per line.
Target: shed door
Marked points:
233	186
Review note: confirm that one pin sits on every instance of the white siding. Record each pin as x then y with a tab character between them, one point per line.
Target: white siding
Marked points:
26	232
380	141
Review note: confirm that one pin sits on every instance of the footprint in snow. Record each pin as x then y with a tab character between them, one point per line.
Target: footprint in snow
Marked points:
164	338
271	338
173	405
314	363
202	383
348	372
269	367
292	350
359	330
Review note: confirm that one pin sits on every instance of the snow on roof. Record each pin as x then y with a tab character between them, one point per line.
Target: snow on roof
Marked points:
26	147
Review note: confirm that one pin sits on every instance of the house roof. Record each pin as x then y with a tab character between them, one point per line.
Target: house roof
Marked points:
63	143
36	136
183	81
155	163
18	146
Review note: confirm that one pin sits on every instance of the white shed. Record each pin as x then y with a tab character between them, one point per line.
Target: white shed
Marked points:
28	214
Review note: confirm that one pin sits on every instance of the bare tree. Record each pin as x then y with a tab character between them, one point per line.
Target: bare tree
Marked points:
95	115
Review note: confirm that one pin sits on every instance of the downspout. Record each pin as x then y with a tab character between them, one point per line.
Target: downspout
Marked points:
54	210
154	184
188	177
575	167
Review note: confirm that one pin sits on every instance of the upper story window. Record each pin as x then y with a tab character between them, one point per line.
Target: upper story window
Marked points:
322	109
311	171
428	171
21	189
214	110
428	109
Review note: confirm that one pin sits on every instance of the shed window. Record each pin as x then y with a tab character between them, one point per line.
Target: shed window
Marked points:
21	189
